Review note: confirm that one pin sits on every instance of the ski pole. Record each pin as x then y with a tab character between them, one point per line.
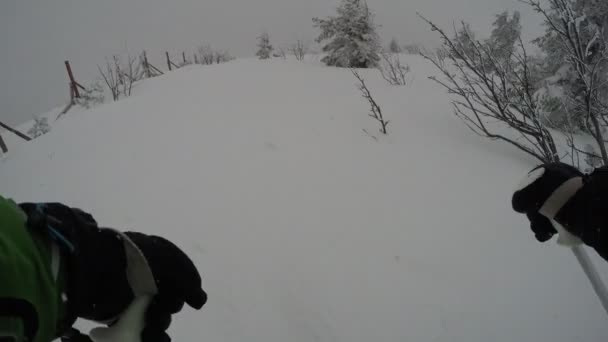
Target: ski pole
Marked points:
592	274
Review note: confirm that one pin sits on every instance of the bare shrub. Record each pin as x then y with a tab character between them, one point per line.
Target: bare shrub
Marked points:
223	57
583	46
392	70
40	127
488	93
111	76
375	110
299	50
280	53
120	76
206	55
91	96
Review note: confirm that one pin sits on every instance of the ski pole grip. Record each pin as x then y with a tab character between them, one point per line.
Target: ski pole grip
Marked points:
129	326
141	280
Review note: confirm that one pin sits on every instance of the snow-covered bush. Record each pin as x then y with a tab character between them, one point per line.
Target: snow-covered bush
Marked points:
351	35
120	76
566	87
264	47
505	33
463	42
299	50
393	46
575	65
223	57
280	53
375	111
392	70
40	127
412	49
91	96
206	55
489	93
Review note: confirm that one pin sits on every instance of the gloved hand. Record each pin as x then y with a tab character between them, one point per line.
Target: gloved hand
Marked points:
177	280
97	285
559	193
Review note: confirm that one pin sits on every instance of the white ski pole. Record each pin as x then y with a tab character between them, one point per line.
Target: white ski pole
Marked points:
592	274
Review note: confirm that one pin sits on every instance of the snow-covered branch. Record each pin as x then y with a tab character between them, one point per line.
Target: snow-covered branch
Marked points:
489	91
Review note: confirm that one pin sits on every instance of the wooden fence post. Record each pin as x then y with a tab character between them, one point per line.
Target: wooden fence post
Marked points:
3	145
184	56
72	80
146	65
168	60
16	132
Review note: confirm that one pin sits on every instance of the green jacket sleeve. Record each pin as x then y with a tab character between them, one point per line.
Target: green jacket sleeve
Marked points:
30	298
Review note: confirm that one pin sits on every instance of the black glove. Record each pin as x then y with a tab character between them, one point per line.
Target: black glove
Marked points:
97	286
177	280
578	202
74	335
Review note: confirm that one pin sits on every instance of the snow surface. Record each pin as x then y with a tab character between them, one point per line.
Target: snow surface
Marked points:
304	227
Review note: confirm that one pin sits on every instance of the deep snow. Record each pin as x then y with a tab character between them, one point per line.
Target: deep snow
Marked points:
304	227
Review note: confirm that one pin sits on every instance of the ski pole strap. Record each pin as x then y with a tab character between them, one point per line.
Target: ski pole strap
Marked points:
139	273
560	197
46	220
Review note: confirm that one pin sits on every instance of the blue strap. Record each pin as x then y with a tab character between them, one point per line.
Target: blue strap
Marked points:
55	234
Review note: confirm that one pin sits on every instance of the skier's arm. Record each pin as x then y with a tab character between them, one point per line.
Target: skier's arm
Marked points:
30	287
99	285
558	194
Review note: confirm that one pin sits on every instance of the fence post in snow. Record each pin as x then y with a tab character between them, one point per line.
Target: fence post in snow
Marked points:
3	145
146	65
14	131
168	60
73	82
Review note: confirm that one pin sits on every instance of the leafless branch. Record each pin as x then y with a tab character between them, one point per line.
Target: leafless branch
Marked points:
392	70
299	50
589	69
375	110
281	52
488	93
206	55
111	78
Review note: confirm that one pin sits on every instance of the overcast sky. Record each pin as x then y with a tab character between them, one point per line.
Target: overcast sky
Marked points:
36	36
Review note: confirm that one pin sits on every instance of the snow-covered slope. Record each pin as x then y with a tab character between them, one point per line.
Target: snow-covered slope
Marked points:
304	227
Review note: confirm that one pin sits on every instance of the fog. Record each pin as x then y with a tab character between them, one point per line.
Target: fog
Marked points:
36	36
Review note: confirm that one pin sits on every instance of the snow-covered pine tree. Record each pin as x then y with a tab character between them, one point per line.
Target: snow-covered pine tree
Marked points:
505	34
264	47
575	68
394	47
464	40
351	35
41	126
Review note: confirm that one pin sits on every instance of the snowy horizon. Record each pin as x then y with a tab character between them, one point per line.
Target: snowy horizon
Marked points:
36	37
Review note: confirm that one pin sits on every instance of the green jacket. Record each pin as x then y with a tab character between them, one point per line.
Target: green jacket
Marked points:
30	295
